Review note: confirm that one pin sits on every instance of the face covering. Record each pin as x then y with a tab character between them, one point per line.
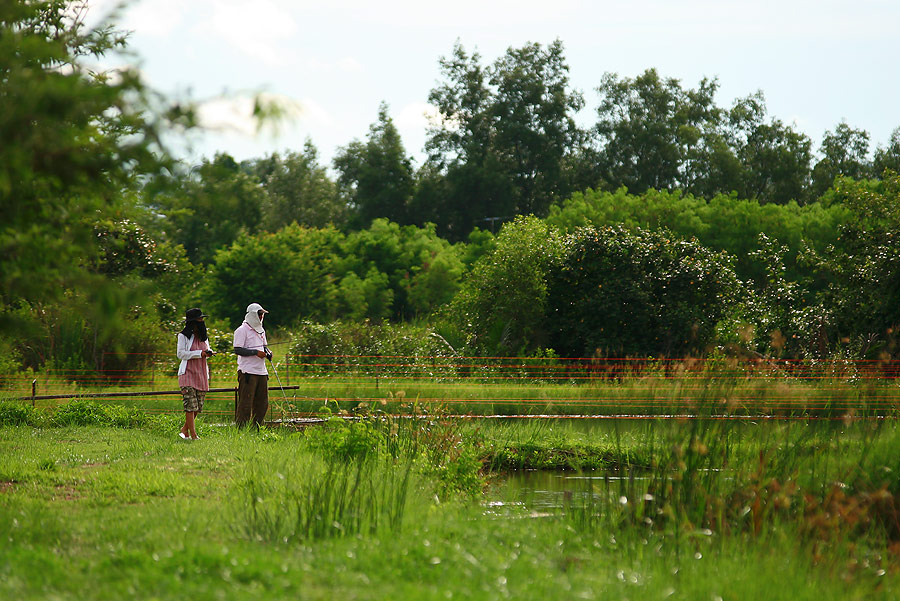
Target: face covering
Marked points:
195	327
253	319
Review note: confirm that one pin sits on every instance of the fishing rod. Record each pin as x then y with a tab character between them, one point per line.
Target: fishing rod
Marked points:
275	369
259	346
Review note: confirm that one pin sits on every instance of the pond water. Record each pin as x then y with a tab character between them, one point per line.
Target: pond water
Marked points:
541	490
544	491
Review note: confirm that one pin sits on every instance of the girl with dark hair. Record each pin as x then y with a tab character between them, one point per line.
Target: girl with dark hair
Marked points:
193	372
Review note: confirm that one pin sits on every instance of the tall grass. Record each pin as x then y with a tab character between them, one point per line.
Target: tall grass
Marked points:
828	483
308	497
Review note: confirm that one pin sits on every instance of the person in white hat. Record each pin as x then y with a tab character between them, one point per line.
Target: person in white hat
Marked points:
250	345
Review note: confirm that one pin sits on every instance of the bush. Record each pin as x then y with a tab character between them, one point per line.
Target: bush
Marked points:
501	305
341	439
79	413
14	413
362	344
82	412
620	293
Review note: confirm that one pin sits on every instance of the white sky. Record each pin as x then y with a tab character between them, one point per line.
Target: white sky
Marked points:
818	62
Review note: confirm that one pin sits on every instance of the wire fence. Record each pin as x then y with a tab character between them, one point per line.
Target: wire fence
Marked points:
303	385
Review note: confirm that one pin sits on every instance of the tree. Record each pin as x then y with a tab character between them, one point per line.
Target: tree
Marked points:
377	177
654	134
505	138
298	190
292	273
887	157
421	269
207	208
844	152
72	140
534	130
861	297
774	158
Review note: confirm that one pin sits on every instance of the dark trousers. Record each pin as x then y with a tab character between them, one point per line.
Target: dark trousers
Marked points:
253	399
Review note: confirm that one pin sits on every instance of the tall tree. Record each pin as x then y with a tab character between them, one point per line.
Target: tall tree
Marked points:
534	129
653	132
298	190
887	157
505	137
844	152
774	158
377	176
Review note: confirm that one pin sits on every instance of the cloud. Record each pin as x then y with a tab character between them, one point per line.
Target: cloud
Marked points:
417	116
152	18
462	13
314	113
349	64
256	29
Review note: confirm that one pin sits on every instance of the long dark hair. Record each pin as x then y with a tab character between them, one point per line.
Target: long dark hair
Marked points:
193	324
195	327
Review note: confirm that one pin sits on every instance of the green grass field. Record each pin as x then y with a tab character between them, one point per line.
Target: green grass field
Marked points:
385	508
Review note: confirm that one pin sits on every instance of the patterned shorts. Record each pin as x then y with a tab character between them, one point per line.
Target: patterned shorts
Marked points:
193	398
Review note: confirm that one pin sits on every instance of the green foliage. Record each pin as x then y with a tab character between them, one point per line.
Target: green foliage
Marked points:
298	190
310	499
369	298
650	128
290	272
126	249
68	336
845	153
479	243
385	272
377	176
887	157
723	223
861	295
656	135
625	294
364	343
345	440
10	357
777	162
17	413
73	139
207	211
505	137
416	270
81	412
500	308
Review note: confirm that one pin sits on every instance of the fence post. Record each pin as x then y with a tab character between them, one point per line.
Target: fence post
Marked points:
33	389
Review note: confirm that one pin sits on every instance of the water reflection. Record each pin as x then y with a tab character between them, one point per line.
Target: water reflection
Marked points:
542	491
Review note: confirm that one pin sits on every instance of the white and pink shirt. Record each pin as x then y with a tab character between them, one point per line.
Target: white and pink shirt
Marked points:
247	337
193	370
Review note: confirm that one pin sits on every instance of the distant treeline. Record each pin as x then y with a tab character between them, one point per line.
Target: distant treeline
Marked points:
506	143
671	227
